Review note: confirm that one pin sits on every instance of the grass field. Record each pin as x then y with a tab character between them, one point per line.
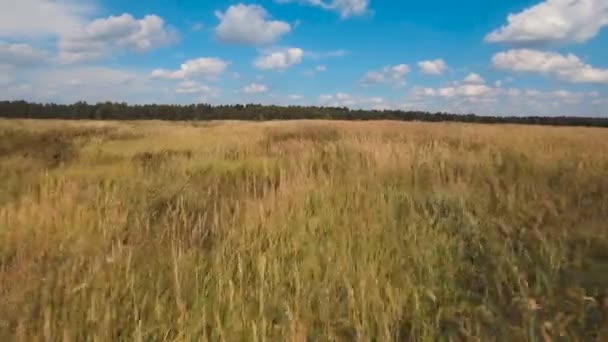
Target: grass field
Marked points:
302	231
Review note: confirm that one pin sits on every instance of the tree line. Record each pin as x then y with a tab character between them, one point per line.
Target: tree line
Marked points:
257	112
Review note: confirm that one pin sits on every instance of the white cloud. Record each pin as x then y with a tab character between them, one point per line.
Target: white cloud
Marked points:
93	84
568	68
546	102
280	60
30	18
295	97
554	21
373	77
547	97
192	87
474	78
20	54
483	99
349	8
99	37
435	67
568	96
168	74
346	8
207	67
424	92
204	92
255	88
69	83
248	24
352	101
463	90
394	74
466	90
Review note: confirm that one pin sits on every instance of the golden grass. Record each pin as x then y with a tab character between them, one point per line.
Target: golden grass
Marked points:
302	231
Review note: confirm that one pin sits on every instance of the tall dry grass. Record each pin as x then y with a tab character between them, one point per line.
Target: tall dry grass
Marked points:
302	231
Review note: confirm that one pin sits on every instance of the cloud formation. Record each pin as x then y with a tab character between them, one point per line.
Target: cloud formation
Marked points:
192	87
567	68
249	24
346	8
20	55
101	36
394	74
255	88
280	60
33	18
553	21
85	83
435	67
474	78
207	67
352	101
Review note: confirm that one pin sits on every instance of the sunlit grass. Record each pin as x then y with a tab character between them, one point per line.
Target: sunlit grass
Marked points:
302	231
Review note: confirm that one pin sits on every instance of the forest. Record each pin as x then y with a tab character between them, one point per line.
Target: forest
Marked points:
258	112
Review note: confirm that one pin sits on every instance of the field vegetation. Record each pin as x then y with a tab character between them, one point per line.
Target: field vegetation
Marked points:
302	231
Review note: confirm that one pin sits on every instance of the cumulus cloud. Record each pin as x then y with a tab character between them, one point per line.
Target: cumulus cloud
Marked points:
20	54
435	67
92	84
295	97
474	78
249	24
394	74
255	88
29	18
351	101
192	87
464	90
553	21
279	60
484	99
473	88
99	37
548	98
346	8
568	68
569	96
207	67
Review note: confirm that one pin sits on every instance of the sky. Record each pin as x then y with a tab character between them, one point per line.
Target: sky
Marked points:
516	57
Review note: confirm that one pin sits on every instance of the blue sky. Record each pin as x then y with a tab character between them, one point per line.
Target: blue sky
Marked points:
527	57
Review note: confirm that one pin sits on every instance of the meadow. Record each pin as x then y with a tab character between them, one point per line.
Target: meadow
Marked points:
302	231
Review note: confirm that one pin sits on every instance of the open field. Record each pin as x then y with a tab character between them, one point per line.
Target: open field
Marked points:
302	231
